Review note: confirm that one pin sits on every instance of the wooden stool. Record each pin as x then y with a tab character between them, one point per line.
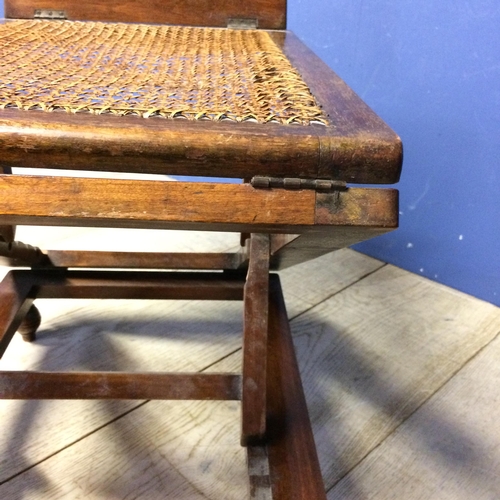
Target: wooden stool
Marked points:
236	96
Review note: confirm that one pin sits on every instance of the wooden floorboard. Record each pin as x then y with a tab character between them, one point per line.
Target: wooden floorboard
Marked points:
179	450
371	355
447	450
374	344
305	286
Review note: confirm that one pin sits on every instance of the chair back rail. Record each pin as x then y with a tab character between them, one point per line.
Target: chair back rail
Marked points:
270	14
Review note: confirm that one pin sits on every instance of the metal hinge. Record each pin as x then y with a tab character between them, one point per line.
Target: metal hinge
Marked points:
49	14
324	185
238	23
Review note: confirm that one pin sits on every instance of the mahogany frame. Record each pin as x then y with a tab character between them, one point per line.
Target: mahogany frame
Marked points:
279	227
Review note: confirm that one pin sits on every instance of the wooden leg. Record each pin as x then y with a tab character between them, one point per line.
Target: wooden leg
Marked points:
7	233
30	324
15	302
293	461
258	473
256	302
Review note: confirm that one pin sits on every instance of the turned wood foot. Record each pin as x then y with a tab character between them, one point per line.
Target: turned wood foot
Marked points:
30	324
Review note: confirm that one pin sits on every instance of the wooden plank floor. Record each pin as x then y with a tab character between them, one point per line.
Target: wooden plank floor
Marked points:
400	375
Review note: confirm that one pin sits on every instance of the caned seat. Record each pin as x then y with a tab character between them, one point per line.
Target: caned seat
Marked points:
172	90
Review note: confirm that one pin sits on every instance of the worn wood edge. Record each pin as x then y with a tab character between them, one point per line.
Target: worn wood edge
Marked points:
255	348
369	207
78	201
145	260
358	146
293	461
258	473
364	213
37	139
119	385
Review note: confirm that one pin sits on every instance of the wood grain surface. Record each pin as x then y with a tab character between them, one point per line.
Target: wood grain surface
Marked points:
255	346
359	147
116	385
146	260
447	450
294	469
72	201
376	352
271	14
168	147
355	214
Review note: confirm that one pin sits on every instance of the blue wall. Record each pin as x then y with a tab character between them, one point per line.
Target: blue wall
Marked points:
431	70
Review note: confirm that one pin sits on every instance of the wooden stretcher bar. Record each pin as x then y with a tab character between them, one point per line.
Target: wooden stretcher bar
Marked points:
117	385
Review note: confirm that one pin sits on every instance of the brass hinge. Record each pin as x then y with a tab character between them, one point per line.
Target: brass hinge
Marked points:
238	23
49	14
324	185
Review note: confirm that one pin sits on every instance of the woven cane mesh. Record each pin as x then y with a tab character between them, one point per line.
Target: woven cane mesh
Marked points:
166	71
